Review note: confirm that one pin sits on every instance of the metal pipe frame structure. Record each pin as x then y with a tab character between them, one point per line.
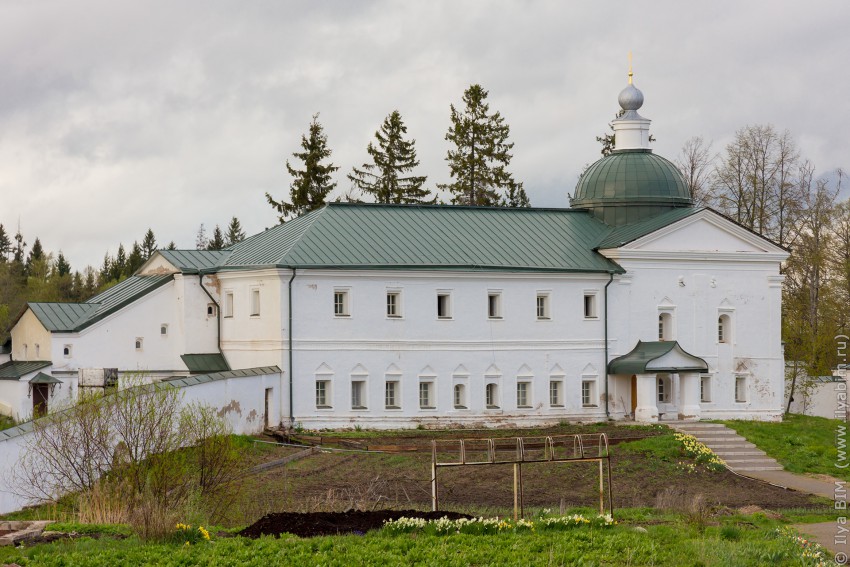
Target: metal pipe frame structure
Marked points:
603	457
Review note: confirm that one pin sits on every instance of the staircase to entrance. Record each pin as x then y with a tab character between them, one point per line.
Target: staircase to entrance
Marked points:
739	454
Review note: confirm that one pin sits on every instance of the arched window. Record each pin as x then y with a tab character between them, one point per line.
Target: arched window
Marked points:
665	327
663	388
724	329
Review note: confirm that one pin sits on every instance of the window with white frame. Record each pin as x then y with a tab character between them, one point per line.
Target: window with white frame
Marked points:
665	326
358	394
228	304
494	305
66	351
556	393
705	388
341	303
724	329
212	310
391	400
491	395
523	394
255	303
323	393
140	341
393	304
426	395
543	313
459	396
590	305
663	388
588	393
444	305
740	389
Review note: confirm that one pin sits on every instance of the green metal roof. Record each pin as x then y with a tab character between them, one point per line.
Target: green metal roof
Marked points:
14	370
636	361
212	362
42	378
71	317
622	235
193	261
373	236
629	185
184	381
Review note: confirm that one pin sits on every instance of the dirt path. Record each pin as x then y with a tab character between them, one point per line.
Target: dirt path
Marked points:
829	535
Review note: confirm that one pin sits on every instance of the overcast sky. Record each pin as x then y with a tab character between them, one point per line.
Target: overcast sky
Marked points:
119	116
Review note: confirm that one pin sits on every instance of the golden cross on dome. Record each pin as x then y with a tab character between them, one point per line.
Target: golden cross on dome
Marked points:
630	68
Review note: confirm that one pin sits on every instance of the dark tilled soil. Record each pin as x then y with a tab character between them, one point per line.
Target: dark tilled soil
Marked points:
333	523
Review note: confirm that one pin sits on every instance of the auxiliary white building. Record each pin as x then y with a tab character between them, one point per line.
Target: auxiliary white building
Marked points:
631	304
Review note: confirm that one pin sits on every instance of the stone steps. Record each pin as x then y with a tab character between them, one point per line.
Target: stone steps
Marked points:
739	454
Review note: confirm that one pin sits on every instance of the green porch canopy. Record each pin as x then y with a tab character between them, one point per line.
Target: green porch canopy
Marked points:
657	356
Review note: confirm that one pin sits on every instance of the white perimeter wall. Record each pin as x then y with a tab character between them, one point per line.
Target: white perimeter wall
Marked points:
241	401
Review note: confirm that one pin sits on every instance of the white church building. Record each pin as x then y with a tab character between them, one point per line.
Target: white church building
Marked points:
631	304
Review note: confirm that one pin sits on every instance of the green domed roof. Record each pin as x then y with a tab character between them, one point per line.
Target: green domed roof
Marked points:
630	185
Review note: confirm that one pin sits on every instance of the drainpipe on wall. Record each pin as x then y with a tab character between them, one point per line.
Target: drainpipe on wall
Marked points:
610	279
217	311
291	414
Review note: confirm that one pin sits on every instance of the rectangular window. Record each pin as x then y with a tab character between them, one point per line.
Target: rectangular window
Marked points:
590	306
322	387
494	305
426	395
588	393
555	397
255	303
543	306
460	396
705	388
391	395
740	389
393	304
522	398
358	392
341	303
491	396
444	306
664	389
228	304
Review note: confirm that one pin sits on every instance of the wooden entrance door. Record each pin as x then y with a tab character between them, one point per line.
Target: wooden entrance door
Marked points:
40	394
634	395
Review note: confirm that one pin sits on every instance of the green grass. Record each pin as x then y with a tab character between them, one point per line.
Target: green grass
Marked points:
801	444
673	542
6	422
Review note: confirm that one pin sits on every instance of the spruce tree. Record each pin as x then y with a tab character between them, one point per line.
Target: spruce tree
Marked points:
387	178
5	244
171	246
311	185
234	232
134	260
105	270
217	240
36	254
62	265
119	264
201	240
89	286
18	256
481	153
148	244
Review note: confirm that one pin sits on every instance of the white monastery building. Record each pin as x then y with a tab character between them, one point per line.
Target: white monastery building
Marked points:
631	304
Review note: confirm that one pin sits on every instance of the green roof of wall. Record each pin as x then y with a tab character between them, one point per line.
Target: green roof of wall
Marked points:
622	235
371	236
212	362
14	370
193	261
184	381
71	317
